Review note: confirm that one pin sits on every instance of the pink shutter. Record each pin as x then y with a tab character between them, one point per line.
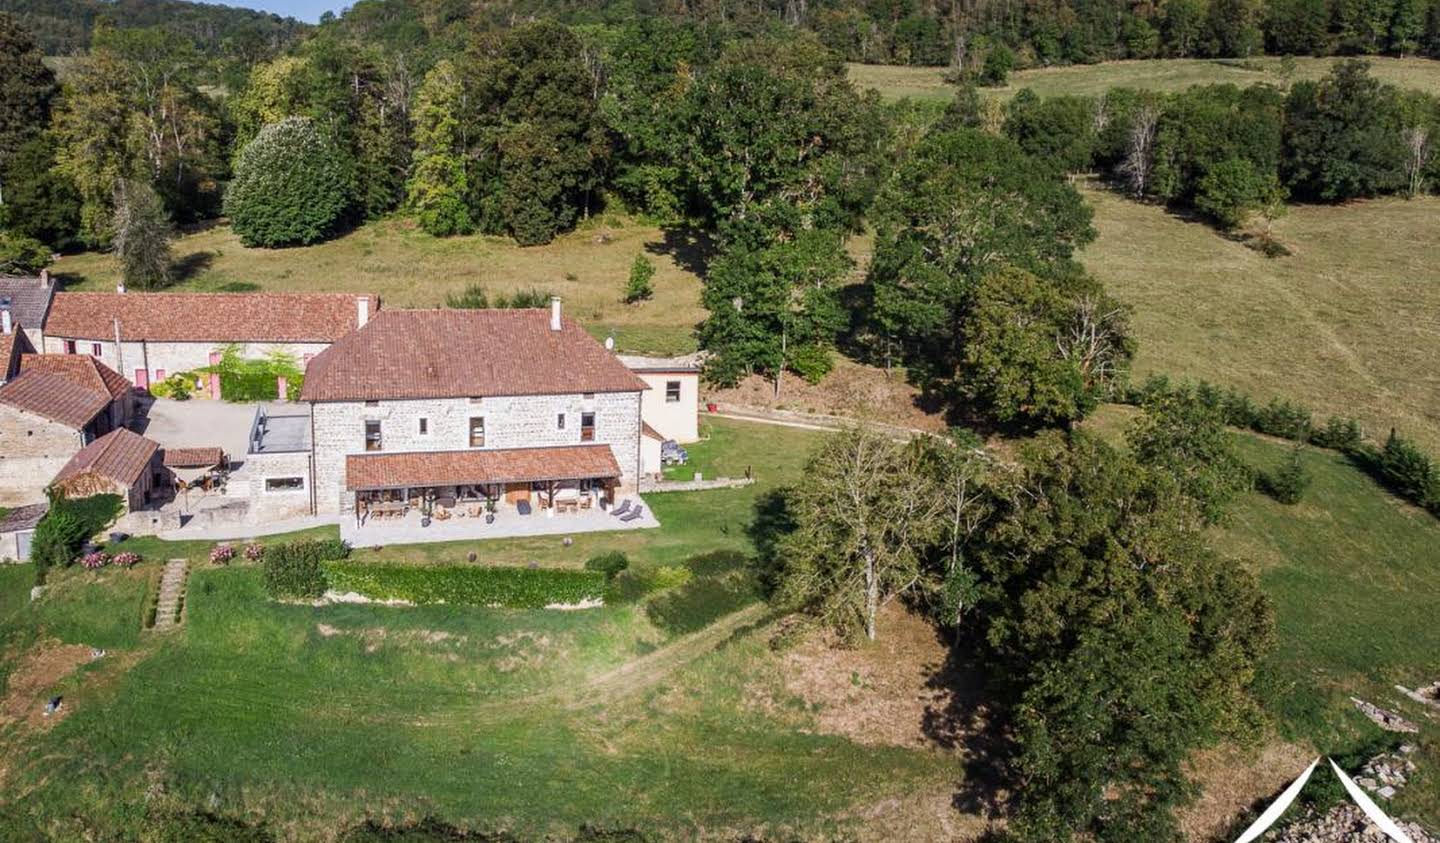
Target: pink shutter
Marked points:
142	380
214	376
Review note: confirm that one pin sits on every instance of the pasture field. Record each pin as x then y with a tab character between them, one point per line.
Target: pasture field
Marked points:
927	83
1347	324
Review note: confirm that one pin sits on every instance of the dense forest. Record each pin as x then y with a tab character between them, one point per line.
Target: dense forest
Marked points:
65	27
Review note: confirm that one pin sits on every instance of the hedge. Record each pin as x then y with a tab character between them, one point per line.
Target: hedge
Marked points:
294	569
512	588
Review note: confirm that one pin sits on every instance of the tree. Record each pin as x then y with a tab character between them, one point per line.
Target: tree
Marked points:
1185	437
1287	484
1232	190
26	90
1343	135
535	134
1014	364
862	525
1417	159
292	186
1139	158
438	184
964	205
142	236
640	287
774	306
1059	129
1119	641
133	110
21	255
39	202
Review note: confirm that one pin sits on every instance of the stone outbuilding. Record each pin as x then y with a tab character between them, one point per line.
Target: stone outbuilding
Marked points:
122	463
49	411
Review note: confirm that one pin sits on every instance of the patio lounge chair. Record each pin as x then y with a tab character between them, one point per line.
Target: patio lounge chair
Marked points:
623	508
637	512
522	507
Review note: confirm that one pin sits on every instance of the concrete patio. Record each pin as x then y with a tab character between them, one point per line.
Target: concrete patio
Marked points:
508	524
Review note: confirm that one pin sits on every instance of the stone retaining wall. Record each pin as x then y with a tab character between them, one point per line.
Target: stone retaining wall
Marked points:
648	486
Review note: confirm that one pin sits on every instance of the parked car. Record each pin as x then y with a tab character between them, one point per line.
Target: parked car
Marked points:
672	454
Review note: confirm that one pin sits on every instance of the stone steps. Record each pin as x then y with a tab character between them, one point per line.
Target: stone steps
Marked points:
172	592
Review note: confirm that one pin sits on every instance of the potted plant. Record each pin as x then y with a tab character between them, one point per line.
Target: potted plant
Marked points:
489	510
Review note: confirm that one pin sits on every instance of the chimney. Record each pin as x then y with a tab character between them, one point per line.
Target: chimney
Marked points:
5	325
554	313
44	277
362	311
610	343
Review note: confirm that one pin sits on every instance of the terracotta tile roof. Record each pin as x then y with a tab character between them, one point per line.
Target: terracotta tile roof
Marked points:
206	317
9	344
457	353
54	397
193	457
452	468
651	432
29	298
23	517
81	370
120	455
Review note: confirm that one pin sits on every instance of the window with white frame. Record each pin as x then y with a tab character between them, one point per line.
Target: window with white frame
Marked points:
672	392
284	484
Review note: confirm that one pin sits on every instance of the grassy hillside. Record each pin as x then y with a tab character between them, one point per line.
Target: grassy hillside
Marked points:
1158	74
408	268
1347	324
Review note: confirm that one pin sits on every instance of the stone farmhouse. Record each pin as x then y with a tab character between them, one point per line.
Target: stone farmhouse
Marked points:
49	410
153	335
512	406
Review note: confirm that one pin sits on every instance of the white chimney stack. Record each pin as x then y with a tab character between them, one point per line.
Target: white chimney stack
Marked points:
554	313
44	277
362	311
609	343
5	324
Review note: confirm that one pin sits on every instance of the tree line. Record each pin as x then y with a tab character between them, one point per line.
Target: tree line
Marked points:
1232	153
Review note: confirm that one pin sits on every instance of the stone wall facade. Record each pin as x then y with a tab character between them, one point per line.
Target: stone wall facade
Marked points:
266	483
510	422
32	450
158	360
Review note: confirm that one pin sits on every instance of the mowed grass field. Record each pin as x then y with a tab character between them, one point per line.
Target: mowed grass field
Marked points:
1349	324
406	267
896	82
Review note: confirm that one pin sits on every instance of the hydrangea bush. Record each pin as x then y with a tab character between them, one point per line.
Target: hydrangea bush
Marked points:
221	554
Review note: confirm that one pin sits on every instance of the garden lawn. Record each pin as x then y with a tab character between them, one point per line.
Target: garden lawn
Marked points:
1346	325
393	259
894	82
319	718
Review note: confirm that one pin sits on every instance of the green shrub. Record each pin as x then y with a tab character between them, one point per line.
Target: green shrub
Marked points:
57	541
640	286
1287	484
1339	433
295	569
292	185
1409	471
610	564
1283	419
514	588
179	386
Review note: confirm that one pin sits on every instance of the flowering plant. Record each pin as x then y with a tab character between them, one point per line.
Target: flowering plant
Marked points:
222	554
125	559
254	551
96	559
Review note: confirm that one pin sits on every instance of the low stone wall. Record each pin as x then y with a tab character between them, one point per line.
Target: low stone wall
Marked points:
649	486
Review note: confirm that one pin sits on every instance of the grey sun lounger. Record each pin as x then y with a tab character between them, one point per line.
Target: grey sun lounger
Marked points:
637	512
623	508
